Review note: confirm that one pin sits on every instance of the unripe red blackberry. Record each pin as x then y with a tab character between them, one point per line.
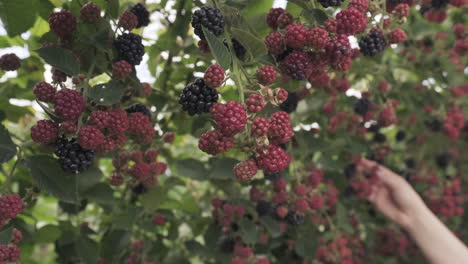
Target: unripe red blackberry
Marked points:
397	36
272	17
284	20
121	69
68	127
100	119
106	146
10	206
159	220
360	5
316	202
338	49
44	132
118	121
62	23
128	21
275	43
297	65
350	21
90	13
255	103
142	14
44	92
275	159
90	137
168	137
9	62
266	75
151	155
296	36
214	76
330	25
58	76
260	126
17	236
116	179
401	10
158	168
14	253
280	128
140	170
230	117
281	95
245	170
209	17
203	46
141	128
317	38
214	142
301	205
69	104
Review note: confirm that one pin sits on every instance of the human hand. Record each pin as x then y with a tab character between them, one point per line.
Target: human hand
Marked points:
395	197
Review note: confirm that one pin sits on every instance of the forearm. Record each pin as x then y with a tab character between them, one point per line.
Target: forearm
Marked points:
436	241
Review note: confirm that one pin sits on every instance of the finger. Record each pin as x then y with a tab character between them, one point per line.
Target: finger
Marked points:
389	178
368	163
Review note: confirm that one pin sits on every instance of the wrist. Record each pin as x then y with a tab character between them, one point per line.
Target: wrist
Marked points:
419	219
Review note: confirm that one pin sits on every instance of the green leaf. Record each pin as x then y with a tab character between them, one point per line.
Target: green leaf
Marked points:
102	194
222	168
125	220
342	218
112	244
153	198
107	93
47	234
61	59
88	179
306	244
18	15
191	168
113	8
249	231
271	225
257	7
250	42
5	235
219	51
50	177
7	147
87	250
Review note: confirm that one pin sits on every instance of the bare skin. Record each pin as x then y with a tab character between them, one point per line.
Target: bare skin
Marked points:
398	201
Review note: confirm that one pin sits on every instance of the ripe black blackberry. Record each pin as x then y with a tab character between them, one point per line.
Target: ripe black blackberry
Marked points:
138	108
362	106
264	208
380	138
272	176
350	170
290	104
239	50
72	157
283	55
374	128
410	163
328	3
294	218
226	244
443	160
400	135
198	98
130	48
435	125
142	14
372	43
438	4
209	17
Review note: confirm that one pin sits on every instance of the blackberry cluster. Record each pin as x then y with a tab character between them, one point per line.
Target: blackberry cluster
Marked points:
138	108
209	17
290	104
372	43
362	106
142	14
328	3
264	208
295	219
198	98
72	157
130	48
